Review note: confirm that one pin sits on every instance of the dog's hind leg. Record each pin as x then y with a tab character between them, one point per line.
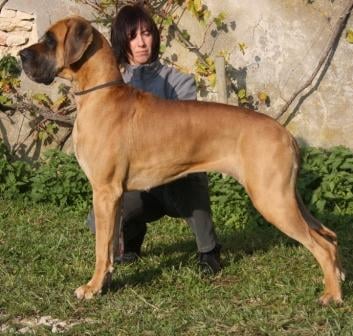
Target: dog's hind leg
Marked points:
270	180
315	223
323	231
106	201
279	206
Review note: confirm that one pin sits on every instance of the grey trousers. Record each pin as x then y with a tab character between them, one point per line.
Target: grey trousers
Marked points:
186	198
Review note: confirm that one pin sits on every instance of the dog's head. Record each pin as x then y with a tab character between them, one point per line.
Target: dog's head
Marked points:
63	45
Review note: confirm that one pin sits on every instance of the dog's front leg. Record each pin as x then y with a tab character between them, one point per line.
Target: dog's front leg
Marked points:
106	200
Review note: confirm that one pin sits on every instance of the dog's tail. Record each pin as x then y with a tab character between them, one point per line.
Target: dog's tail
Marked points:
314	223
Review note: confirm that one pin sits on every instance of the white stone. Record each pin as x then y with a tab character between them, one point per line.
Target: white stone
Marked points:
8	13
26	330
3	38
16	40
9	25
24	16
46	320
6	24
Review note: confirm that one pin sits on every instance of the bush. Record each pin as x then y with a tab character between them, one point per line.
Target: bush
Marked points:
60	180
15	176
231	206
326	180
325	183
56	179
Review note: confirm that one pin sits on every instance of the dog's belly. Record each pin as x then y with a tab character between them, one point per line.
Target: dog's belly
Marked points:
147	177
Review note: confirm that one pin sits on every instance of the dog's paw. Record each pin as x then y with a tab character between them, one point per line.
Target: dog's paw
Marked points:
328	298
85	292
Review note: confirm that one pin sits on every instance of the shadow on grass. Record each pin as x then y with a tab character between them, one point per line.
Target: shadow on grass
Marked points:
256	236
238	245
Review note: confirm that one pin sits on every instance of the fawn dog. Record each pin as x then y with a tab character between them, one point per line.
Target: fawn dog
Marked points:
125	139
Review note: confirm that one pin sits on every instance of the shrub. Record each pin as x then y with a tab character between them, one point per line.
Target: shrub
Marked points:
15	176
60	180
56	179
326	180
325	183
231	206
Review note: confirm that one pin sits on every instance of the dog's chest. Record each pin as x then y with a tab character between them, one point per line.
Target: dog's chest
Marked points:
78	149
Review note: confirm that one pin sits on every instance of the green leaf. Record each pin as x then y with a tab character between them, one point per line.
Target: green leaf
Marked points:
168	21
58	103
42	98
263	96
219	20
197	5
185	34
9	67
212	79
4	100
349	36
241	94
162	48
242	47
42	135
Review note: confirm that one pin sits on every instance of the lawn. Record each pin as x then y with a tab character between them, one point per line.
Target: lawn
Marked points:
269	285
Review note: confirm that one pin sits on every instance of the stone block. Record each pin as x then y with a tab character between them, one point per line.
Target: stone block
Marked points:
10	25
3	38
13	13
8	13
24	16
14	40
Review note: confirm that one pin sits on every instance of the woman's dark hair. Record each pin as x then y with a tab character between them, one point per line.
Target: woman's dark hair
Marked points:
124	28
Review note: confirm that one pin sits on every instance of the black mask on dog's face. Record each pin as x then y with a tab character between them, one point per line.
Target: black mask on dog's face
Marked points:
59	51
39	61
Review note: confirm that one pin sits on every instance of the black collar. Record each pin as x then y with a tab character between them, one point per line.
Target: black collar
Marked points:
101	86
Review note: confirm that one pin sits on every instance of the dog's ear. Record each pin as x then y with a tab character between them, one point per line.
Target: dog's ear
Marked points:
78	37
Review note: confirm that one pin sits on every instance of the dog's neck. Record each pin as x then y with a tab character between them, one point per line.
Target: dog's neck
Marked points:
85	74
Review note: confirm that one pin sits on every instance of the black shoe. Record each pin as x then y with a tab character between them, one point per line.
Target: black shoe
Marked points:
127	258
210	262
132	250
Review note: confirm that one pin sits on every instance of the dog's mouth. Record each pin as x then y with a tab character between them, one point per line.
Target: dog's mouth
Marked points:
43	80
47	80
39	69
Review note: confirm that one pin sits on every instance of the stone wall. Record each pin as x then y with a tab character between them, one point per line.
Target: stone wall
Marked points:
282	40
16	30
22	22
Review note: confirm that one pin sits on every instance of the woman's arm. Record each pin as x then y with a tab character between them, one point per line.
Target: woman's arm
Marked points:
184	86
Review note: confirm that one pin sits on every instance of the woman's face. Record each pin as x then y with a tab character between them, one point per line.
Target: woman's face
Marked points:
141	47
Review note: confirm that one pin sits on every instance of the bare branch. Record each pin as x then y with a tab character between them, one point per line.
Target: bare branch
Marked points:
2	4
45	112
325	56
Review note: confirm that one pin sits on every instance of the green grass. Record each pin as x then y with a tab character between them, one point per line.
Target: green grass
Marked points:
269	285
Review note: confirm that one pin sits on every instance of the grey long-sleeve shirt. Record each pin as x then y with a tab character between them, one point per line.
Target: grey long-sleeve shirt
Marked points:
161	80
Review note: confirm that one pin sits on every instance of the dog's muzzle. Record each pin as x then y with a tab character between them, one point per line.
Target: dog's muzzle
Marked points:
38	67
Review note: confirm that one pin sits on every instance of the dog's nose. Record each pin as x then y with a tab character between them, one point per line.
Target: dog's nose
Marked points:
26	54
